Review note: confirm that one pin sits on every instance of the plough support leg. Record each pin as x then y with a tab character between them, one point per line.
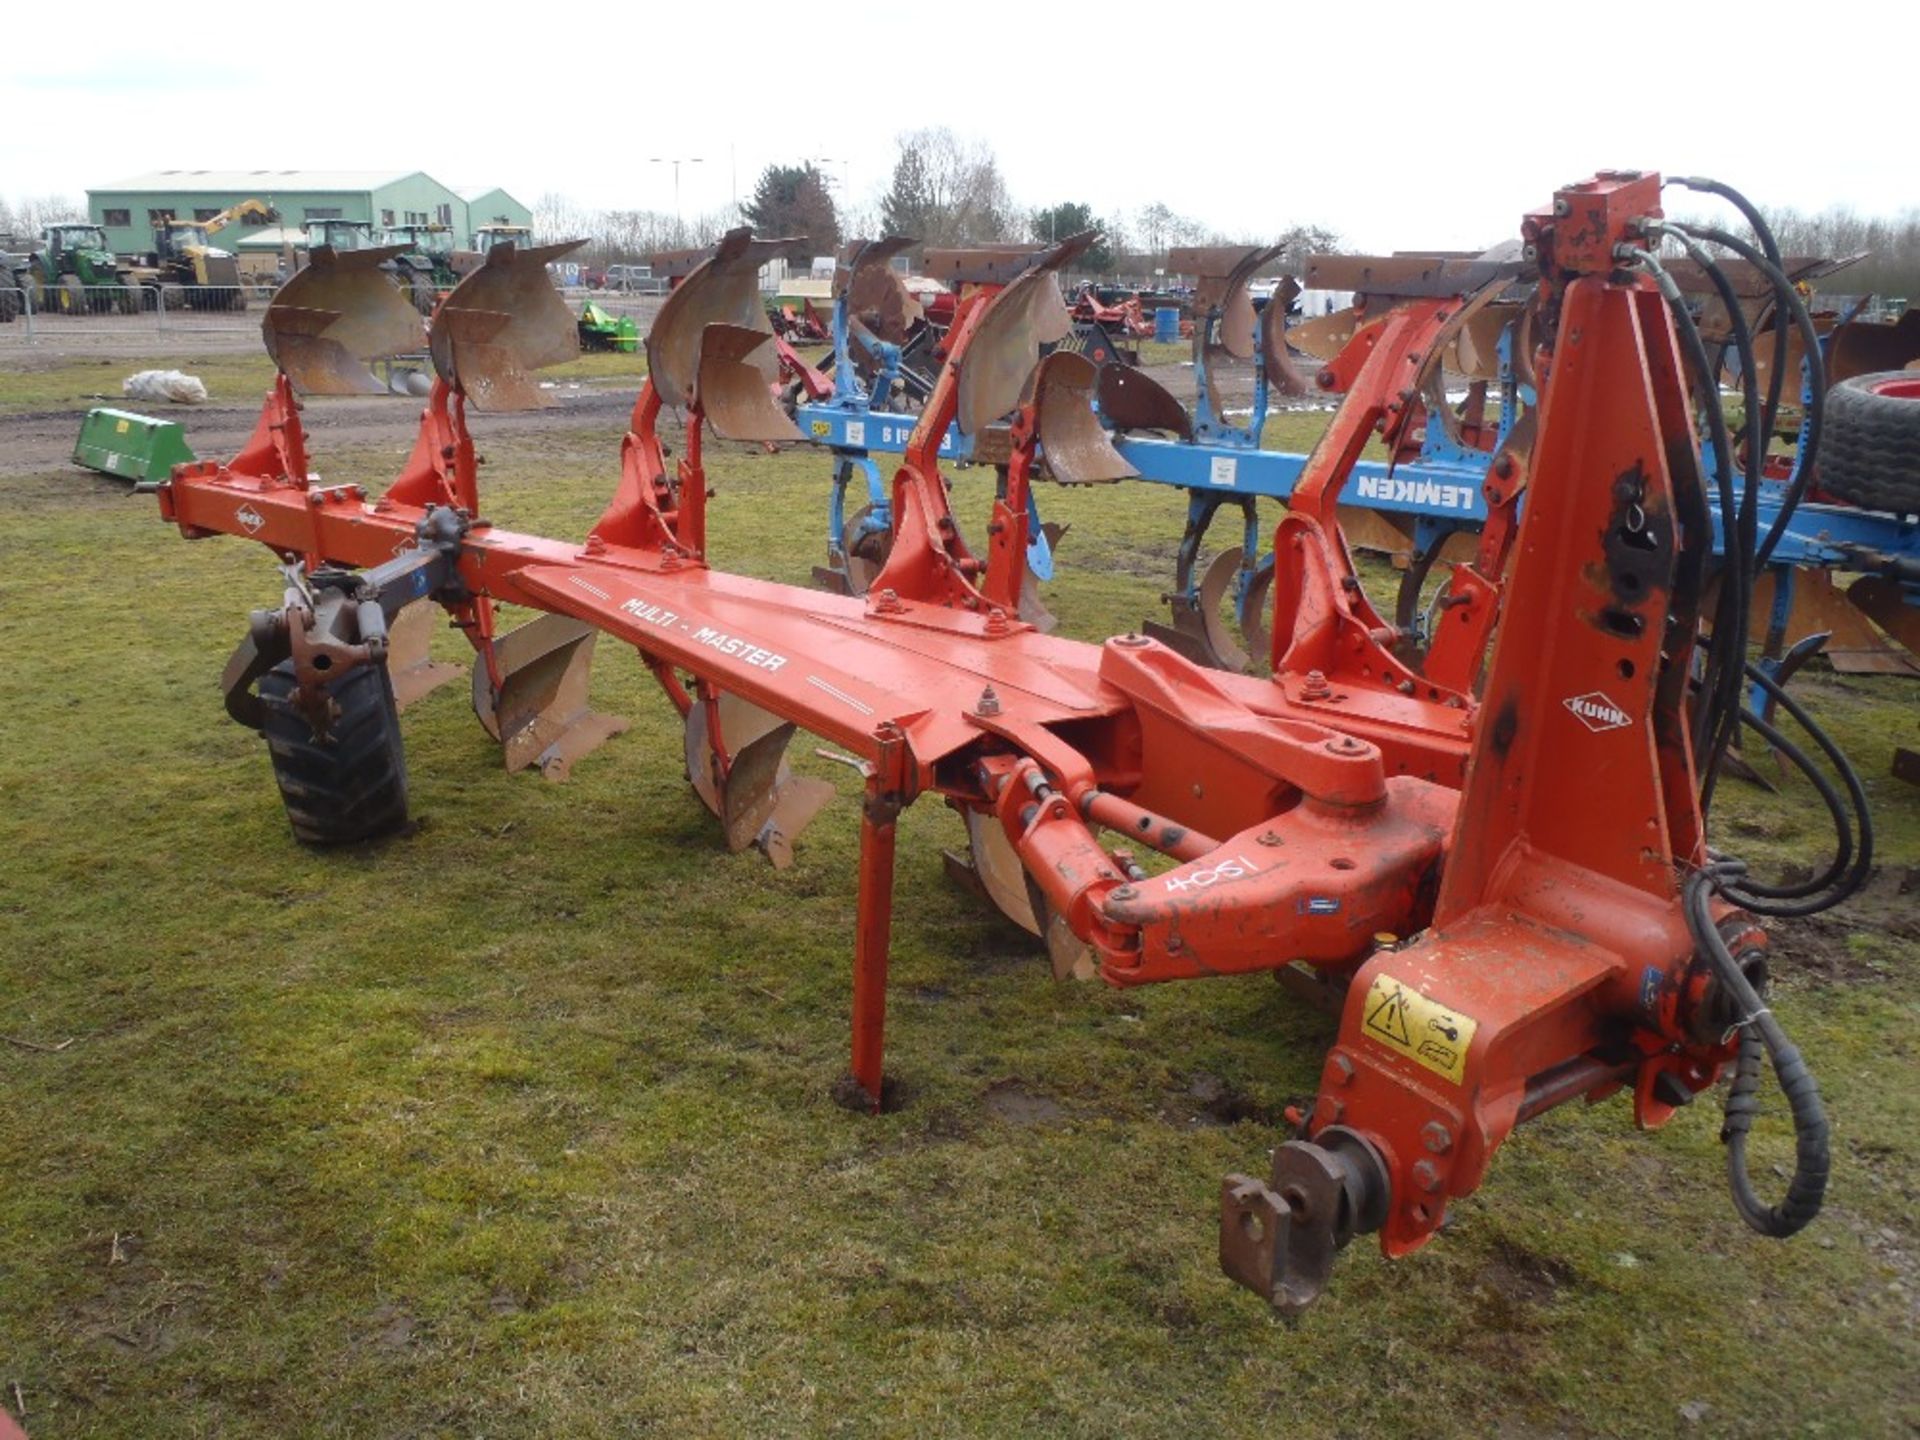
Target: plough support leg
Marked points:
879	814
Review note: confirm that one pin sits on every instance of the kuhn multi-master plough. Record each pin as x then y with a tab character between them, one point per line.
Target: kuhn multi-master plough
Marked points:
1511	880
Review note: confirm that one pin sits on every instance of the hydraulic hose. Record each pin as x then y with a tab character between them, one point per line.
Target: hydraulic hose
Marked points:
1789	299
1760	1033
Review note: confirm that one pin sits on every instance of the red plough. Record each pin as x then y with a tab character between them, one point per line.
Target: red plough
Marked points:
1514	889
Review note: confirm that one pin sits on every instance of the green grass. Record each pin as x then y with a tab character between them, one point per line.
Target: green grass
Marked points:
520	1125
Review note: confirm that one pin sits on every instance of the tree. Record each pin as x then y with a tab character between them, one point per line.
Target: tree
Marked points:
947	191
1071	217
909	200
793	200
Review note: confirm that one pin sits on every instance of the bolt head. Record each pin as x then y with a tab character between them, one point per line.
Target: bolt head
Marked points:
1426	1175
1340	1069
1436	1137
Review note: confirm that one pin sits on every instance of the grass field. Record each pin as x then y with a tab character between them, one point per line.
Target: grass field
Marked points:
520	1125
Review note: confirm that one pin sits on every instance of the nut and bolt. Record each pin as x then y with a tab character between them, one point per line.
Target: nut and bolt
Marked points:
1436	1137
1426	1175
989	703
1315	686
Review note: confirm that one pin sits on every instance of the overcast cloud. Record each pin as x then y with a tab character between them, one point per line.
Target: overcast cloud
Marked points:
1398	125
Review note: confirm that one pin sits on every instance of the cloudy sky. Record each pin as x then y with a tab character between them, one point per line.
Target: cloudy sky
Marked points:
1398	125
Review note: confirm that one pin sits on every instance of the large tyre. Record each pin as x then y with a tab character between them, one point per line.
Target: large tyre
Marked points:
1870	451
73	295
353	785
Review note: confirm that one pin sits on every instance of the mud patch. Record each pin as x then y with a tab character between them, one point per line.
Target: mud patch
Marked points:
1012	1102
1210	1100
1520	1278
1824	948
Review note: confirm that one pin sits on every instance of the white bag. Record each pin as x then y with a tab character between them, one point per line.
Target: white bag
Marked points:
170	385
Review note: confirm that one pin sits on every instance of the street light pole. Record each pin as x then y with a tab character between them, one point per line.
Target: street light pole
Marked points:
676	162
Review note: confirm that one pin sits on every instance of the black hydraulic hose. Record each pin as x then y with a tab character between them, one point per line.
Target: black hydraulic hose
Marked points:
1836	808
1715	723
1767	900
1743	347
1815	420
1764	232
1760	1032
1743	540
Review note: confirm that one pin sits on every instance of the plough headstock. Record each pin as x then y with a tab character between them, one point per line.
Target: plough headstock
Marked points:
502	323
342	311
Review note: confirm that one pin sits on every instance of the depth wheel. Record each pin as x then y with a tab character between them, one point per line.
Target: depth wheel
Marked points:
351	786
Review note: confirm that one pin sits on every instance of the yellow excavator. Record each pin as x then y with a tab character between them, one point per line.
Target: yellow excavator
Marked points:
187	269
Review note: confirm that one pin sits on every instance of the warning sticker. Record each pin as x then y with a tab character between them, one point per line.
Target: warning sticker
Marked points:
1407	1021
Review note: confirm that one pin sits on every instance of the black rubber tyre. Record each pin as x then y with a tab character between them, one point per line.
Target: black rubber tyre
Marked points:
1870	452
352	786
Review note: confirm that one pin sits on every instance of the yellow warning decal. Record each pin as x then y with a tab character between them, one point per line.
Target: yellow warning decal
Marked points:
1407	1021
821	429
120	428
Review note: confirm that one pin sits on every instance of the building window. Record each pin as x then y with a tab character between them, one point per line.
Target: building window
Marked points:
416	217
386	217
323	212
204	213
159	217
446	214
250	218
116	217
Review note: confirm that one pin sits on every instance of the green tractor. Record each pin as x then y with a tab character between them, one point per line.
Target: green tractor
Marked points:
74	273
427	268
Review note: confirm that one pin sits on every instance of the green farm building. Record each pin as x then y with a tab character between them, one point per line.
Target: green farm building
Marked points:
129	209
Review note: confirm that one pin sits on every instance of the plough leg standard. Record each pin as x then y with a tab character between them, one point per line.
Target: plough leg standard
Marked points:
1516	888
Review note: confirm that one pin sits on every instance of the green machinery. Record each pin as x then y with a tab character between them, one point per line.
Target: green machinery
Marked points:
74	272
601	330
131	447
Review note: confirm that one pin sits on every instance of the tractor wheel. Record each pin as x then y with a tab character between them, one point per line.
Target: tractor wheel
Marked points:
73	295
172	297
127	302
1870	454
424	295
351	786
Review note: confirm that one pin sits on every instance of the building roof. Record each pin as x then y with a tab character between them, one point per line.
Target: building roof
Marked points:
348	182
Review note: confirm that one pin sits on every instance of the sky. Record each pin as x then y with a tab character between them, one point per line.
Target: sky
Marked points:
1399	126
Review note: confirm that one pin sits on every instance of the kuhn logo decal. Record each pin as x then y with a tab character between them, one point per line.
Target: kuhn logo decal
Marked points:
251	518
1237	867
1597	712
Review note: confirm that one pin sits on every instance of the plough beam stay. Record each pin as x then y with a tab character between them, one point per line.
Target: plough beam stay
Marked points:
1497	882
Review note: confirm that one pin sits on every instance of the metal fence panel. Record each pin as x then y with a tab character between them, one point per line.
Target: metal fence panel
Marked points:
76	314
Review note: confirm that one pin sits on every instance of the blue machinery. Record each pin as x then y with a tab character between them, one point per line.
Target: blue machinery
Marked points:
1425	499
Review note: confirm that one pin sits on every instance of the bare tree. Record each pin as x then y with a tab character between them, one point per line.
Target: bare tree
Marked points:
947	191
35	212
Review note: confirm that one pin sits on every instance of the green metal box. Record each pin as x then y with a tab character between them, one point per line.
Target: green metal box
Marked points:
133	447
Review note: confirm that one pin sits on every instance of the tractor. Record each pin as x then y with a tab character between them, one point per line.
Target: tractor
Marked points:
465	262
188	270
426	266
74	272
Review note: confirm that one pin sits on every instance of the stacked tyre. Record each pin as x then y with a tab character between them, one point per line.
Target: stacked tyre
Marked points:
1870	451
